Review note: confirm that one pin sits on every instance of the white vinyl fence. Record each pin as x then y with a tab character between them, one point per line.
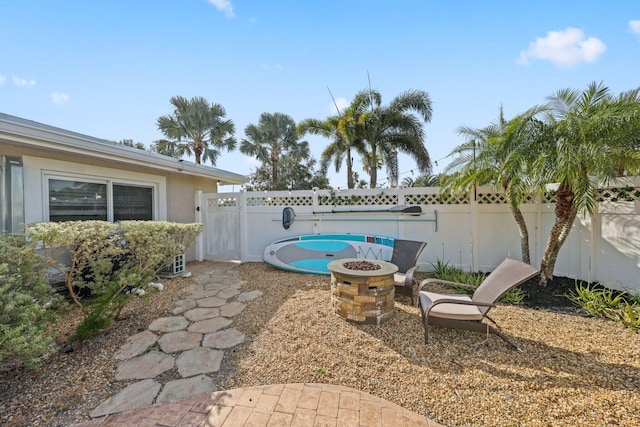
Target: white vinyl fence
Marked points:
475	232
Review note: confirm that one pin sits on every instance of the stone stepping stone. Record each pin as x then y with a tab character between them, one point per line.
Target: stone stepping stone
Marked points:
184	305
169	324
205	293
215	286
149	365
179	341
193	288
237	284
228	293
202	313
179	389
232	309
135	396
199	361
225	338
136	345
249	296
211	302
210	325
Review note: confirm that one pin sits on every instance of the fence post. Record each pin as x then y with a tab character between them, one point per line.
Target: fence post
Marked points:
198	218
474	262
241	204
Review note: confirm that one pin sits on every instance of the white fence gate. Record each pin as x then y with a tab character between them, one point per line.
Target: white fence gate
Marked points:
221	219
475	232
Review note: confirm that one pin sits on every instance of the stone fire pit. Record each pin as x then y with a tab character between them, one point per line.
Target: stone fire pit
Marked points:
362	290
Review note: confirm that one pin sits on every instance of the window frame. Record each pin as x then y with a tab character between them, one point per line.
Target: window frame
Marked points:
108	181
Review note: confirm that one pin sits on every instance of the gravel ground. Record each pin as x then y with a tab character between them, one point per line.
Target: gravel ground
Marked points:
82	374
573	371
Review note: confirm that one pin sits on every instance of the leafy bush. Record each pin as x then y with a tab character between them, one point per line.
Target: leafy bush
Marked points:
26	303
444	271
107	260
599	301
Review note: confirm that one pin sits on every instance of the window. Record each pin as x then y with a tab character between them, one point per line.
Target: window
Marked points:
77	200
132	202
87	199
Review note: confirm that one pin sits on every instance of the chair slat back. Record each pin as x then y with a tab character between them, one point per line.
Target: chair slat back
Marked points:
405	254
509	274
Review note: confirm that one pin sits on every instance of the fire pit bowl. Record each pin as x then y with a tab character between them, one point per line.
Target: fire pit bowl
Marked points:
362	290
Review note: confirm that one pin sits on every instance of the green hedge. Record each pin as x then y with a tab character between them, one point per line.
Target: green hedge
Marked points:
26	303
107	260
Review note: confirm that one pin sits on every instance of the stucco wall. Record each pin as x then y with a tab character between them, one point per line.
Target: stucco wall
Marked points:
174	192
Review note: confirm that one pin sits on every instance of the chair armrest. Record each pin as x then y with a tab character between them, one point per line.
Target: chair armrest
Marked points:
409	280
446	283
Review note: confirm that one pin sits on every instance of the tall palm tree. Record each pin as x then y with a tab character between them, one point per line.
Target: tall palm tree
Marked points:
590	138
345	132
486	158
271	139
393	128
196	127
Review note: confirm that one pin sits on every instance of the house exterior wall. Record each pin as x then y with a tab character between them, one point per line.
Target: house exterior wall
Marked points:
181	196
174	193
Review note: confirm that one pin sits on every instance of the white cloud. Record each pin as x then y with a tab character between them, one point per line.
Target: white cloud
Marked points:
340	103
634	26
3	79
59	98
564	48
19	81
223	6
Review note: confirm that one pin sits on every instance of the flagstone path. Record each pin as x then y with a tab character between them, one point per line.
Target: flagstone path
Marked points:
193	340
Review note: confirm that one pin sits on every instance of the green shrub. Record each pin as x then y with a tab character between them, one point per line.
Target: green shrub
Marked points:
444	271
599	301
26	303
107	260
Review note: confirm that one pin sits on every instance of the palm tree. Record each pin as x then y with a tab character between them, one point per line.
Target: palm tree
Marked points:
396	127
346	133
422	181
197	128
486	158
591	136
273	138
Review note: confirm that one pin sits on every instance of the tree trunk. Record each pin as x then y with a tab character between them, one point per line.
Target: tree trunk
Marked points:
350	183
197	152
373	173
274	173
565	215
524	233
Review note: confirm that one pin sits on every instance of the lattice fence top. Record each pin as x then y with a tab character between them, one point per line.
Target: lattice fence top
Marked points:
621	194
411	196
436	199
222	202
358	200
280	201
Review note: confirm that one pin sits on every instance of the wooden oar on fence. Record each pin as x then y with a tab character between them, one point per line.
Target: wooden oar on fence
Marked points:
289	215
401	209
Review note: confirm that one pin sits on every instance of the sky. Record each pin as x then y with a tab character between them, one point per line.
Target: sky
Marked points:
107	68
